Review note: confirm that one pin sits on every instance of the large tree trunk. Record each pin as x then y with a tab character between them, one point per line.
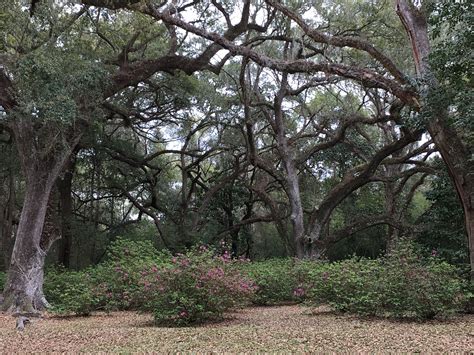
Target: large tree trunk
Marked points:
41	162
456	155
294	196
297	217
7	221
64	185
469	217
291	177
24	287
458	160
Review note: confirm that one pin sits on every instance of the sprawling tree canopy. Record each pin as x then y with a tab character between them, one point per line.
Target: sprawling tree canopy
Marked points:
310	121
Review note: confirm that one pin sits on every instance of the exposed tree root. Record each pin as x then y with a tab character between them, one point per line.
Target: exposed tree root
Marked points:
21	322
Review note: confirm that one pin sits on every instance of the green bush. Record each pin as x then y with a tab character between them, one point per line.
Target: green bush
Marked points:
416	287
128	252
197	287
111	285
401	285
280	280
302	272
274	279
178	290
349	286
116	280
70	291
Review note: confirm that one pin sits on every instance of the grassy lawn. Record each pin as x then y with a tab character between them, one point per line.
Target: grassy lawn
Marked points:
271	329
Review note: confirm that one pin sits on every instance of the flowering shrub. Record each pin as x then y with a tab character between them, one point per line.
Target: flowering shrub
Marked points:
197	287
178	290
70	291
348	286
111	285
401	285
278	280
419	287
116	280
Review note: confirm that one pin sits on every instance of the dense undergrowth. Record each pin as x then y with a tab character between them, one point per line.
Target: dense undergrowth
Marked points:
202	284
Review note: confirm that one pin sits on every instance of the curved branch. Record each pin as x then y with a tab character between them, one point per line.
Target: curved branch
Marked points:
342	41
363	224
364	76
353	181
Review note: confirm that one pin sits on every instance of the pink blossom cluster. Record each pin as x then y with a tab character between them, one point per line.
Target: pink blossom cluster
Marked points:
299	291
124	274
183	314
226	257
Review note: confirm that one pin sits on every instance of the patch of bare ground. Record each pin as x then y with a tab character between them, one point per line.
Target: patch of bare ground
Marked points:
258	329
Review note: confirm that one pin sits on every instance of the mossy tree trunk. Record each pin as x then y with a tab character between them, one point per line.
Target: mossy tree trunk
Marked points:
455	153
41	167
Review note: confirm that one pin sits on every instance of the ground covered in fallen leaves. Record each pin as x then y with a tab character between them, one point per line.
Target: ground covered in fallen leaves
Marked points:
263	329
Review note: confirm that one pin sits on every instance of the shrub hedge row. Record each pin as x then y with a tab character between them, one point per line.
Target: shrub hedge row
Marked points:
202	284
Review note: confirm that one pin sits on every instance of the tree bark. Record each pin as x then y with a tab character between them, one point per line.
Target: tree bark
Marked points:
297	217
7	220
390	195
64	185
291	176
41	163
456	155
460	166
24	287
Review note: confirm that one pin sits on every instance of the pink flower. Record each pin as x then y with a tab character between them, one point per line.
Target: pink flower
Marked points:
215	273
183	314
184	262
245	286
226	256
299	292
